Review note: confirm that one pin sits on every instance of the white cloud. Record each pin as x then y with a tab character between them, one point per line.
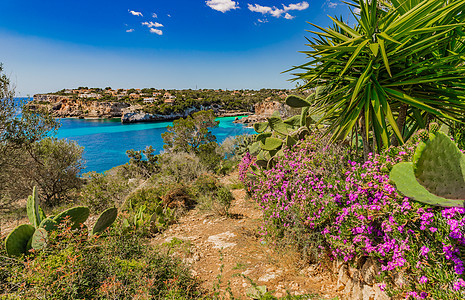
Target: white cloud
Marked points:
151	24
332	4
288	16
277	12
154	15
298	6
222	5
357	11
130	30
135	13
259	8
157	31
262	21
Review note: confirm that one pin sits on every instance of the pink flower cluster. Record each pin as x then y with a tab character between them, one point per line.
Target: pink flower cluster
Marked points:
356	212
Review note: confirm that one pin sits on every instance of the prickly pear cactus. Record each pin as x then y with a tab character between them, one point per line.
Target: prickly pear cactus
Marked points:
39	239
440	167
78	215
34	212
297	102
48	224
433	127
437	174
105	219
17	241
424	135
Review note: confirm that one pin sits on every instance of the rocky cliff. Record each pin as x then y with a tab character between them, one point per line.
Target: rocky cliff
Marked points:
65	107
137	115
264	110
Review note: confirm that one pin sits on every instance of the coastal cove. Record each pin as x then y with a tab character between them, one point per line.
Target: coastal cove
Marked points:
106	141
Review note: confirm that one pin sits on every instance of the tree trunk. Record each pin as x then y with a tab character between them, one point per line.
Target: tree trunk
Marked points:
366	142
400	124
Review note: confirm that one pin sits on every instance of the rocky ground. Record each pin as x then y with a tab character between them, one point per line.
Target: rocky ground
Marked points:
209	243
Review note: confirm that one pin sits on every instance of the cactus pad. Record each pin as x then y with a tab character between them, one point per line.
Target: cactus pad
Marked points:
294	121
404	178
48	224
440	167
297	102
39	239
17	241
260	127
290	141
271	144
34	213
105	219
78	215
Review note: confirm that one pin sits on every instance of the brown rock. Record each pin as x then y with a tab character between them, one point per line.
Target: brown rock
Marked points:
368	272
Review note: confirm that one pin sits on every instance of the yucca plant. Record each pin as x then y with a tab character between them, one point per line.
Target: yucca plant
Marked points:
401	65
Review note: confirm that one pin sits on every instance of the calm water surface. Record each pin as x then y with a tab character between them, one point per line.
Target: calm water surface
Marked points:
105	141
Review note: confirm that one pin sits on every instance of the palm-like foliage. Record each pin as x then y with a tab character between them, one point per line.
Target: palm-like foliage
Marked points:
400	65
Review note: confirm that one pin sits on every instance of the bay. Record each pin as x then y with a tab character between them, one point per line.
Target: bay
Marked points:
105	141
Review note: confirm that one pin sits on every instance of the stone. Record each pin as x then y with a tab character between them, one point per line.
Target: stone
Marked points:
342	278
379	294
220	240
368	293
356	293
348	289
270	276
368	272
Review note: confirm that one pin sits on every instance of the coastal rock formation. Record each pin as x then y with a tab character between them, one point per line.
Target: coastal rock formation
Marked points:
136	116
65	107
140	116
264	110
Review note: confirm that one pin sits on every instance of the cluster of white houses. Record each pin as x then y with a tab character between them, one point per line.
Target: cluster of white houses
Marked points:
85	93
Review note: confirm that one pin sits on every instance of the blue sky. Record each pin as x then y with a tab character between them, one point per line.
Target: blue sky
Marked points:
50	45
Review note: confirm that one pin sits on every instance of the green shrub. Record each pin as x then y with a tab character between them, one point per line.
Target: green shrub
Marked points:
211	194
182	166
205	184
150	197
104	190
117	266
223	199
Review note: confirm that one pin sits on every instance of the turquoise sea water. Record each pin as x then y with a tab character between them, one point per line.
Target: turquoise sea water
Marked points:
105	141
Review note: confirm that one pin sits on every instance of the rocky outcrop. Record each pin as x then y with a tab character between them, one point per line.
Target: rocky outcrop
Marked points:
264	110
65	107
138	116
358	283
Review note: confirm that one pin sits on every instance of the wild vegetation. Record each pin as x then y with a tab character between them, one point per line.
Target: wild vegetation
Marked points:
366	171
361	182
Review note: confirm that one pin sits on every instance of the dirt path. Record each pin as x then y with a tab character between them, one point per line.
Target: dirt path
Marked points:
206	242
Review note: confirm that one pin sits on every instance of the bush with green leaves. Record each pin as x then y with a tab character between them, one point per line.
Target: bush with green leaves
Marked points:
188	134
211	194
181	166
399	66
108	189
144	161
115	266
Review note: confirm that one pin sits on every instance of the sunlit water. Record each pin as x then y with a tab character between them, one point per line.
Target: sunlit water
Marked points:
105	141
